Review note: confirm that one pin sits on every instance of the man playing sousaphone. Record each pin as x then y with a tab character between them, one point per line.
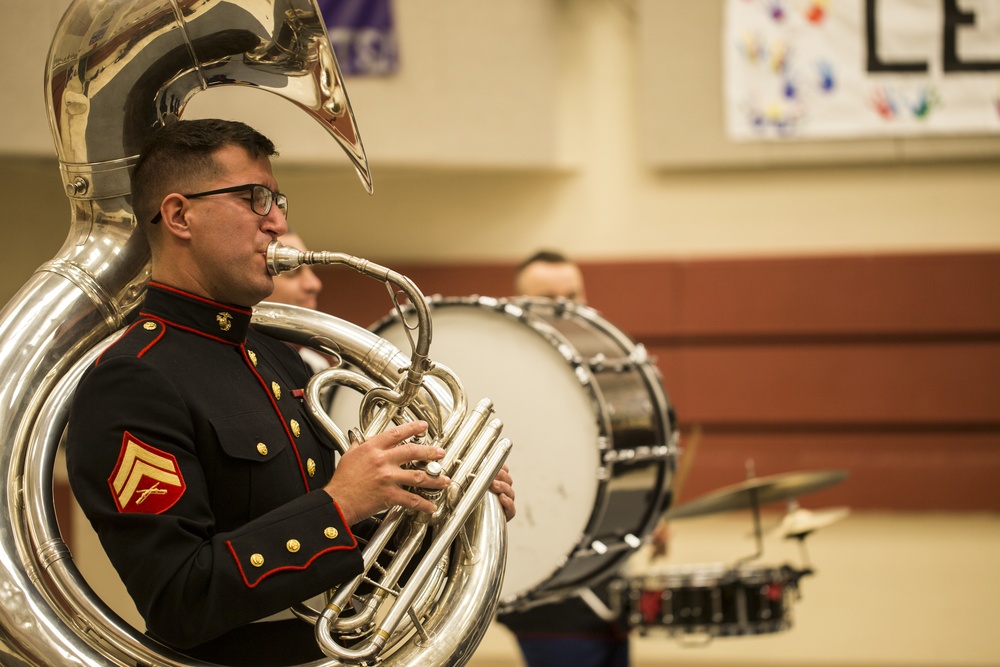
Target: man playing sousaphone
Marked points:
189	447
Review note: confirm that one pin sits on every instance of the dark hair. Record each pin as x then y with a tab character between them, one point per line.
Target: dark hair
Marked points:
547	256
179	154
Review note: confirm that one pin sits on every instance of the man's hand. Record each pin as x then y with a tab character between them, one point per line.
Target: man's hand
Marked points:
370	478
503	486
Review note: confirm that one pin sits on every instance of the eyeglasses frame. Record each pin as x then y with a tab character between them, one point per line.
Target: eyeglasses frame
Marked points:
276	198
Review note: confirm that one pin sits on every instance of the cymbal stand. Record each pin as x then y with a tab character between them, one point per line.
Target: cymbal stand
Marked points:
755	511
793	505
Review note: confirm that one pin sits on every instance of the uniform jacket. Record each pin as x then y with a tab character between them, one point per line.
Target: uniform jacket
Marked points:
190	452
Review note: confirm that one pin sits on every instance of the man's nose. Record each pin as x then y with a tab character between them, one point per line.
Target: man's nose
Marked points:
275	222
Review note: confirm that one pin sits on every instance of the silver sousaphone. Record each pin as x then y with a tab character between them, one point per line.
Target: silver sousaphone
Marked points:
118	70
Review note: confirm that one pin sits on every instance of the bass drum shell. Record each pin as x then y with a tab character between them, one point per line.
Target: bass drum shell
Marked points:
593	432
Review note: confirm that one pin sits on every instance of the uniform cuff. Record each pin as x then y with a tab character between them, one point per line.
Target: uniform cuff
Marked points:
292	542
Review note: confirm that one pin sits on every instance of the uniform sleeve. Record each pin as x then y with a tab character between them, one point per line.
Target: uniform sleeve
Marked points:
133	466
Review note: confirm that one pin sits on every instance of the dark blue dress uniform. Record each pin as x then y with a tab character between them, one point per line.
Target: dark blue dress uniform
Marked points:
569	632
190	451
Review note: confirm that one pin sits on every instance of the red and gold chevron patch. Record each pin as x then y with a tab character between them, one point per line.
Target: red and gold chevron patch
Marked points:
145	480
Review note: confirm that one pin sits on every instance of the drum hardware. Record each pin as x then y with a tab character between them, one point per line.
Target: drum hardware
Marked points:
596	604
628	542
636	454
698	603
597	363
755	513
760	491
600	363
559	305
757	491
800	522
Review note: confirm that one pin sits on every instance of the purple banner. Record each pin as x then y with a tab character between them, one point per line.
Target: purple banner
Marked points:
363	35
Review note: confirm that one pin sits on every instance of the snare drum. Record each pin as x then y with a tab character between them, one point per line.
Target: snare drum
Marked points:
712	600
593	432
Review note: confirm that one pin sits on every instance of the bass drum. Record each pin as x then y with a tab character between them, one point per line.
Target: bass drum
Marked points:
593	432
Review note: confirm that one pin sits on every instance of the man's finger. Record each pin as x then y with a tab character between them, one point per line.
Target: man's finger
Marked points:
406	453
396	434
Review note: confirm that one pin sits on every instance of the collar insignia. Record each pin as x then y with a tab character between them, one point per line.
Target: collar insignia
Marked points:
225	320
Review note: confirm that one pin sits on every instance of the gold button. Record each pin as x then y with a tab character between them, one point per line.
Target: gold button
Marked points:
292	545
296	428
311	467
253	357
256	560
276	390
331	533
262	448
149	326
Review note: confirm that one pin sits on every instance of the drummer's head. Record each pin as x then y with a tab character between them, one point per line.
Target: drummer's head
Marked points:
550	274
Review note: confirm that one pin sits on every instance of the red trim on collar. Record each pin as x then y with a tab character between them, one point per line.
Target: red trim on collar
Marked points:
217	304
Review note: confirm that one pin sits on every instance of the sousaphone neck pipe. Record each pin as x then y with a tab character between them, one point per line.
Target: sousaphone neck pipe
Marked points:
281	258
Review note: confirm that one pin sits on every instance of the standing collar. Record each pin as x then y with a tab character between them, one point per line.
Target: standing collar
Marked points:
195	313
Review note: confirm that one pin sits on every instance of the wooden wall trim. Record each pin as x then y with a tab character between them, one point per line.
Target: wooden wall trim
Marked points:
887	365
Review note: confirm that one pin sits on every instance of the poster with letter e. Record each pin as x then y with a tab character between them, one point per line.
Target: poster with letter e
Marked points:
363	35
827	69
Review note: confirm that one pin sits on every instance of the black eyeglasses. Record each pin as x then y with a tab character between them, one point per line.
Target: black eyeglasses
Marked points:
261	198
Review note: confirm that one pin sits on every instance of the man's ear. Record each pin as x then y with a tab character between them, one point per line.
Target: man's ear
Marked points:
174	215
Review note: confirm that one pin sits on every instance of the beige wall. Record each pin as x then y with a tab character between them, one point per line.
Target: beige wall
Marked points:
587	189
600	199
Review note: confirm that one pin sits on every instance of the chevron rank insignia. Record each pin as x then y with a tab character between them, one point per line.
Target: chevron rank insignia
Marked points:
145	480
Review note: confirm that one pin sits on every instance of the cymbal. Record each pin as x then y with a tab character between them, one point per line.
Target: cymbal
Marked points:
801	521
758	491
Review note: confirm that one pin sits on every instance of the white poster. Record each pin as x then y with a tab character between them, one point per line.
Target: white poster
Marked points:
816	69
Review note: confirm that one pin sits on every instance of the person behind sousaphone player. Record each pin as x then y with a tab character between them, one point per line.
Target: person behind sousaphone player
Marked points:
188	445
300	287
550	274
568	633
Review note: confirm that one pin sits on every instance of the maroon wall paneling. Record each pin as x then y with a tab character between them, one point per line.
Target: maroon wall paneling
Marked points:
835	383
885	365
912	295
892	469
363	300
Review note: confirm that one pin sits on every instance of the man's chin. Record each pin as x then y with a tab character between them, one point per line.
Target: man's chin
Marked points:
265	291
